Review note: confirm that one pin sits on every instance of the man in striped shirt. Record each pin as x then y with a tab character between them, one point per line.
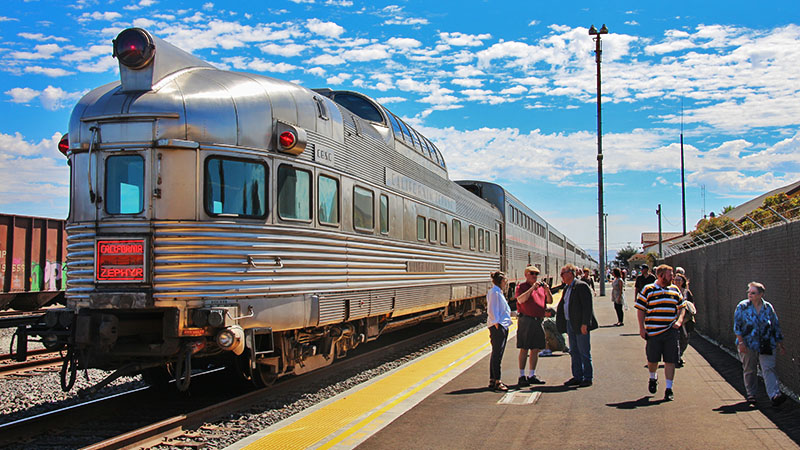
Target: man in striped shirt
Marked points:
660	308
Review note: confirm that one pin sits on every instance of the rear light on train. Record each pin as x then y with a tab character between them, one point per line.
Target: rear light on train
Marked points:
120	260
134	48
63	144
287	139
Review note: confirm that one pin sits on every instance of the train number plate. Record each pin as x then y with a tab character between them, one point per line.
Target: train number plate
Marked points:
120	260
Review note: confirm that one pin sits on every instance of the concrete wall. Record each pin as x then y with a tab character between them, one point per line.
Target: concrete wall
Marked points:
719	275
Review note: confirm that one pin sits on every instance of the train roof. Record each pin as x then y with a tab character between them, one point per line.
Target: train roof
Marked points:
191	100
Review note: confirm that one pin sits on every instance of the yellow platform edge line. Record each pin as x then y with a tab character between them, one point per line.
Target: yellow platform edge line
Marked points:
318	425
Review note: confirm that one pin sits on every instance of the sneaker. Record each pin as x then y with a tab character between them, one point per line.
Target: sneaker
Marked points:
585	383
652	385
680	363
523	381
546	352
572	382
668	395
500	387
535	380
778	399
751	399
566	349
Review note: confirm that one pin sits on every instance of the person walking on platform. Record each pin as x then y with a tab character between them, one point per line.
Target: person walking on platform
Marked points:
617	287
643	280
499	321
660	312
758	335
575	316
588	280
532	299
688	319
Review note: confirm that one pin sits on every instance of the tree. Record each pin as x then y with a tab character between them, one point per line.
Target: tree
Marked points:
624	254
725	209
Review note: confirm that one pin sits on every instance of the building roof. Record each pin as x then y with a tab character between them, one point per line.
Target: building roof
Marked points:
649	238
747	207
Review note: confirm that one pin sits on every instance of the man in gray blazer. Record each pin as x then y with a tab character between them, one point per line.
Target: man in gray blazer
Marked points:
575	316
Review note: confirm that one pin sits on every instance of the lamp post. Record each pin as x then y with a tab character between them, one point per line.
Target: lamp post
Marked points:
598	51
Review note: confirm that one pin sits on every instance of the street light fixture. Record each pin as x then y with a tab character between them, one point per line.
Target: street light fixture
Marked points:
598	51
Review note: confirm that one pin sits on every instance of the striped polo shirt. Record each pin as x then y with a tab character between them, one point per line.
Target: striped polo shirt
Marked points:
661	306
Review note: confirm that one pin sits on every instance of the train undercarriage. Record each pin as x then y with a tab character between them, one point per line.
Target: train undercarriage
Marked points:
146	342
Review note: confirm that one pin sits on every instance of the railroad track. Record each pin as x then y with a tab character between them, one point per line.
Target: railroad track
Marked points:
180	420
38	360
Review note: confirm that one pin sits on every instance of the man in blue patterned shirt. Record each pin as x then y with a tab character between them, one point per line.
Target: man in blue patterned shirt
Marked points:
758	334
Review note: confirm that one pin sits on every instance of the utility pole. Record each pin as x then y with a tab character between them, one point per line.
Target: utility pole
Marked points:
658	212
683	183
598	51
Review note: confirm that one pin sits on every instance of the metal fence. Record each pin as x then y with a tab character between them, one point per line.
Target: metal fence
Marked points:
721	228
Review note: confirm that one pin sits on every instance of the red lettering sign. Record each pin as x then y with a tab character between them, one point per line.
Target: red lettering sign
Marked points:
120	260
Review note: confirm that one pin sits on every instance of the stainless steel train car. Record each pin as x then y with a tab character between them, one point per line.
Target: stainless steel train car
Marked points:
529	239
223	214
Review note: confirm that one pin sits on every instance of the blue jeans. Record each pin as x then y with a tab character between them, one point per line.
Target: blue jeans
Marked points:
498	336
580	351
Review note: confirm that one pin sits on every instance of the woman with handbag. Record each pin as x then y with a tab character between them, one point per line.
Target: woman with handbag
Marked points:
687	327
758	335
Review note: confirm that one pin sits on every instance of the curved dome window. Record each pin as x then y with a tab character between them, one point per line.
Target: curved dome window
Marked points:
359	106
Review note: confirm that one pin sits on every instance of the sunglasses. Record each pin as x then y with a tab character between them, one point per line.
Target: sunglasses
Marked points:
753	292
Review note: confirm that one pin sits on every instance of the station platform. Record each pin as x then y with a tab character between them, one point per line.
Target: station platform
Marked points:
441	401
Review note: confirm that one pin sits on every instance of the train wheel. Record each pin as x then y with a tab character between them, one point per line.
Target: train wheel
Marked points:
264	375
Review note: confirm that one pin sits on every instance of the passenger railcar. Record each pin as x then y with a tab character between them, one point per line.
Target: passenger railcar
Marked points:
529	239
223	214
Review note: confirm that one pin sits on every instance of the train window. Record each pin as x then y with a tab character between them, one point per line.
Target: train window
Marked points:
443	233
294	193
363	209
420	228
360	106
406	133
384	199
398	132
328	200
496	243
456	233
124	184
235	187
472	237
480	240
488	241
322	111
432	230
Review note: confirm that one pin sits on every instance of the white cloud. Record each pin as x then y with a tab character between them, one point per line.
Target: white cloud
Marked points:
326	29
467	82
338	79
43	51
208	6
22	95
258	65
369	53
8	19
41	37
458	39
49	71
287	50
403	43
326	60
54	98
516	90
339	3
387	100
109	15
318	71
140	5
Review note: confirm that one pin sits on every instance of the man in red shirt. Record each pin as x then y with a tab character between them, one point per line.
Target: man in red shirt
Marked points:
532	299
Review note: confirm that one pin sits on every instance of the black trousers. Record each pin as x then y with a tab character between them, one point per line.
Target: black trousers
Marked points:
620	314
498	336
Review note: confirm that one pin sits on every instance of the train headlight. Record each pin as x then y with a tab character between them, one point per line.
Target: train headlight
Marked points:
231	338
134	48
216	318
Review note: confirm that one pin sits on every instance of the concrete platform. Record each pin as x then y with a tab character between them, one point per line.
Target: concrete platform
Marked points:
441	402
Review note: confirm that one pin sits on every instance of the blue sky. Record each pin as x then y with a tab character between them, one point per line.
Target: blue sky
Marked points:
507	91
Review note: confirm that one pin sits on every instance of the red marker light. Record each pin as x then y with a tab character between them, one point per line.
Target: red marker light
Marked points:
134	48
63	144
287	139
